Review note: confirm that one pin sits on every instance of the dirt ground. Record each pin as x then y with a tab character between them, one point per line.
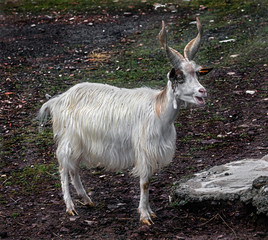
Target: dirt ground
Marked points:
34	43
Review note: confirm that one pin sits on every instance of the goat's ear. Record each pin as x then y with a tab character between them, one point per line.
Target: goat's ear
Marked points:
172	74
204	71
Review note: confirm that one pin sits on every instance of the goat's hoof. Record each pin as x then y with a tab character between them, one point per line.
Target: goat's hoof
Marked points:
147	222
86	203
90	204
72	212
152	214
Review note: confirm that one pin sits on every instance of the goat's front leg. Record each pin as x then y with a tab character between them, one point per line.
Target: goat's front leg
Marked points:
146	213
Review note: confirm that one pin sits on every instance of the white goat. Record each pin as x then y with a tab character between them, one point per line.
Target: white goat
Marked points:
118	128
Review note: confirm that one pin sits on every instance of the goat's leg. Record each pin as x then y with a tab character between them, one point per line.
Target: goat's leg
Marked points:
146	213
64	155
66	192
76	181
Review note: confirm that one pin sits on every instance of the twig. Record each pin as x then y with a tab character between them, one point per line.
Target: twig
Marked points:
80	202
55	234
20	223
52	174
15	201
209	220
124	219
227	225
218	215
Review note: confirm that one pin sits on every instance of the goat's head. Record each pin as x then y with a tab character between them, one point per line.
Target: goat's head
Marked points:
185	72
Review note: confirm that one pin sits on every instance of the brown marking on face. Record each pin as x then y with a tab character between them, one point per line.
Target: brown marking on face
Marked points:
145	186
161	102
189	69
179	72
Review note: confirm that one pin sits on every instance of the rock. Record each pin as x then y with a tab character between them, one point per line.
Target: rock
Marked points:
210	141
251	92
74	218
159	5
90	223
260	194
128	14
64	229
234	55
231	73
245	180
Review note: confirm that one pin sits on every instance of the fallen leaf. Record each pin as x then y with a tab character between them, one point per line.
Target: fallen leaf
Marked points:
9	93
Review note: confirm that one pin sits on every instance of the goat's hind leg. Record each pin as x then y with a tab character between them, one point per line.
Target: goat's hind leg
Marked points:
66	191
76	181
63	159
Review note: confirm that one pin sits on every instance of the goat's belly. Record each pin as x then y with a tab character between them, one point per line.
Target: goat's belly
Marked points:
111	156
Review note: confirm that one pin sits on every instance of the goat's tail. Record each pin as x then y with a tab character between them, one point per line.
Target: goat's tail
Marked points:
45	111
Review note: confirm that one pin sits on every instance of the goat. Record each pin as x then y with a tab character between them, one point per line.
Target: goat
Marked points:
118	128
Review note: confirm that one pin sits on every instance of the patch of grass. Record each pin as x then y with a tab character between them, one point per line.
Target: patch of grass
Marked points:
9	143
81	6
222	9
143	64
43	138
2	200
24	138
57	185
216	118
232	20
207	135
178	124
31	178
186	139
175	204
15	215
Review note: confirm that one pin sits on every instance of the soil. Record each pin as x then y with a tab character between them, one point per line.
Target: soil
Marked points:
35	43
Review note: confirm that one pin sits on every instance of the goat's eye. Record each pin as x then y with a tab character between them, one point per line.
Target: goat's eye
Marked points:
180	79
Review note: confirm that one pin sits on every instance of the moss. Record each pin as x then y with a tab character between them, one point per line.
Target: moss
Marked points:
31	178
2	200
15	215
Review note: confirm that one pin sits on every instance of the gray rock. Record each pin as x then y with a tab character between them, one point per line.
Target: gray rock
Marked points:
245	180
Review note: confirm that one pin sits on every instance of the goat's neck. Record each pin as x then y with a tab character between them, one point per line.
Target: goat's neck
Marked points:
167	106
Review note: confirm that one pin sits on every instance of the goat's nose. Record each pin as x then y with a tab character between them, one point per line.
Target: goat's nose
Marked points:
203	91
